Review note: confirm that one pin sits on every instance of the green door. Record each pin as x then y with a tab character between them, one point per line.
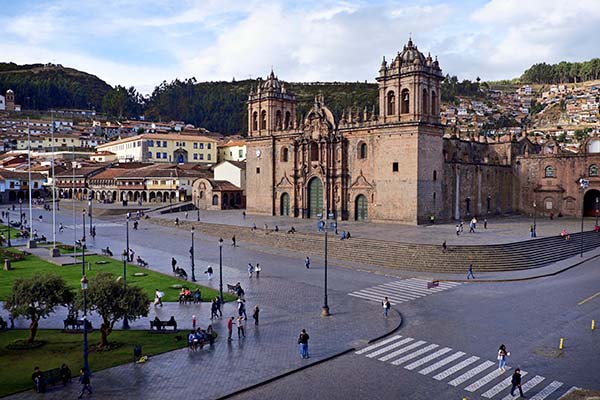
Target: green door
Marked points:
315	198
285	204
361	208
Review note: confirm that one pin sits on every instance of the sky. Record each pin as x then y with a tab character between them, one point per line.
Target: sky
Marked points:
142	43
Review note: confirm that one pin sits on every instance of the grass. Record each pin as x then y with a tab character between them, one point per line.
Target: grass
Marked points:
67	348
13	231
153	280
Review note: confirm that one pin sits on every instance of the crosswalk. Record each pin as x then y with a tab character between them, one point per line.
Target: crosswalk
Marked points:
457	368
402	291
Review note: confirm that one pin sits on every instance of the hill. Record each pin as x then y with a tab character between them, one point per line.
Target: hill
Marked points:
44	86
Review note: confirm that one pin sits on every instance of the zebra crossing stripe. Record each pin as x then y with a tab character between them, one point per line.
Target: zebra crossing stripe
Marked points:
423	283
403	350
379	296
527	386
409	288
371	297
485	380
501	386
381	293
469	374
415	286
574	388
430	357
547	391
402	290
415	354
390	347
456	368
441	363
378	344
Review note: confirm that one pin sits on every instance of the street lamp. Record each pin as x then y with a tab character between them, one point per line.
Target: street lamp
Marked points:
221	270
192	256
597	201
8	224
328	225
198	209
84	287
534	233
83	215
584	183
21	212
124	257
90	214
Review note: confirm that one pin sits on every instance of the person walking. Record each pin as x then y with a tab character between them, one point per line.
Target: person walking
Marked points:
84	379
457	230
250	269
229	329
485	223
502	354
307	263
257	269
444	247
61	228
461	226
470	273
209	272
303	342
157	297
241	331
173	263
233	241
255	314
186	215
244	214
135	225
218	300
213	309
516	383
242	309
386	306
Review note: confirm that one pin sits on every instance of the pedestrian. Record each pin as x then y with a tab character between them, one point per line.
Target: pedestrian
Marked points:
219	307
38	380
193	321
444	247
209	272
276	228
241	331
242	309
303	342
176	221
60	228
135	225
462	226
307	262
158	297
41	218
516	383
84	379
173	263
386	306
186	215
65	374
229	329
485	223
257	269
244	214
470	273
471	227
233	241
131	255
255	314
250	269
502	354
214	309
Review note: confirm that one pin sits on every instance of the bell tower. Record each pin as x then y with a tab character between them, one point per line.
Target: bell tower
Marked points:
271	108
10	100
409	87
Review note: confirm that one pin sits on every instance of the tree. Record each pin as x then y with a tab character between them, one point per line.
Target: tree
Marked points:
107	296
36	298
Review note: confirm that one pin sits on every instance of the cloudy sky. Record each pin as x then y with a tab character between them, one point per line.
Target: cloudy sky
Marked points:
143	42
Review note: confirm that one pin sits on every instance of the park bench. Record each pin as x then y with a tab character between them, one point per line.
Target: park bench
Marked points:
232	288
74	324
160	325
51	377
180	272
107	252
141	262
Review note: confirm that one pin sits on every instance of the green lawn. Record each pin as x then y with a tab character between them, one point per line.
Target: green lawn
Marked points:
32	265
4	231
67	348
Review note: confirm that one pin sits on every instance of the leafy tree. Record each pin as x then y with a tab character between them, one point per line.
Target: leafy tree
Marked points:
36	298
121	102
108	297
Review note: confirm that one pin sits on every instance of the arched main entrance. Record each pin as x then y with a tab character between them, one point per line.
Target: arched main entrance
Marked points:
285	204
589	202
315	198
361	208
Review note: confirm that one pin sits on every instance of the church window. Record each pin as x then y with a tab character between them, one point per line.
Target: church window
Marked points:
549	172
433	103
255	121
395	167
314	151
215	200
278	120
362	150
425	103
284	155
263	119
468	205
405	101
288	120
593	170
391	103
257	170
435	175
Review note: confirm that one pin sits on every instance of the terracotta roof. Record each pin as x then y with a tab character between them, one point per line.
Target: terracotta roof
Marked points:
80	172
24	176
232	143
223	186
110	173
239	164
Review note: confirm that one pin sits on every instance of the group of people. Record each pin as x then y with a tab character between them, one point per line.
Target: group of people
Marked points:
472	226
252	269
187	296
197	338
39	382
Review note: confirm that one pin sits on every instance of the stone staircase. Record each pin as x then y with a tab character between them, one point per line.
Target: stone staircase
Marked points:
407	256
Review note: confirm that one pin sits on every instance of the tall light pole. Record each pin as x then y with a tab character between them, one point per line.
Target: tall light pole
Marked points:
21	212
584	185
8	224
192	256
221	270
597	204
84	287
30	243
83	233
125	257
534	233
170	189
197	209
90	214
325	308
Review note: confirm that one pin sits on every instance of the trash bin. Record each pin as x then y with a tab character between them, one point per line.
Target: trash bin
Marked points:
137	352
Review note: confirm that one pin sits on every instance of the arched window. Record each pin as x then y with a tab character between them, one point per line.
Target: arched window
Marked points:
314	151
263	119
255	121
278	120
435	175
362	150
391	103
405	101
549	172
288	120
285	154
593	170
433	103
215	201
424	102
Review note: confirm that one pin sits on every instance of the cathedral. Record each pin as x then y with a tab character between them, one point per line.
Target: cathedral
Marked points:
399	165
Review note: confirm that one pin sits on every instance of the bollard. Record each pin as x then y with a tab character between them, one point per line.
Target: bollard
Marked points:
593	324
562	342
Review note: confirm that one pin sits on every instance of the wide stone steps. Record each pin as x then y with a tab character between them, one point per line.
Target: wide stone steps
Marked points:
414	257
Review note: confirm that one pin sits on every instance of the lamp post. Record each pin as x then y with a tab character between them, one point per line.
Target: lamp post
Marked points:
221	270
84	287
534	233
21	212
192	257
198	209
8	224
124	257
597	201
328	225
170	189
90	214
83	233
584	183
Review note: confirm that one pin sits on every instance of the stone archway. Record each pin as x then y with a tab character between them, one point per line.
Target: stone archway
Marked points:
589	202
315	198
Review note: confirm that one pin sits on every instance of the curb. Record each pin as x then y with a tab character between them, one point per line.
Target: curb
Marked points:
528	278
293	371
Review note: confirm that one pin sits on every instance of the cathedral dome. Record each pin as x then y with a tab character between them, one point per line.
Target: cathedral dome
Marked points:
410	54
272	83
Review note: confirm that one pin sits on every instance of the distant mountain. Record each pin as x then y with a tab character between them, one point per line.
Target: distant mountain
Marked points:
44	86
